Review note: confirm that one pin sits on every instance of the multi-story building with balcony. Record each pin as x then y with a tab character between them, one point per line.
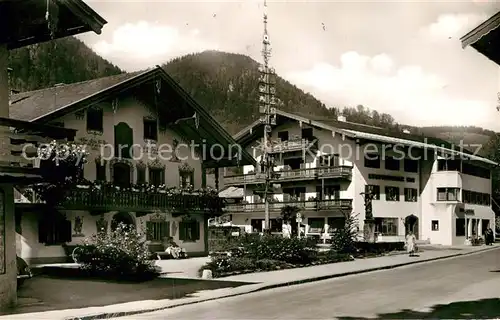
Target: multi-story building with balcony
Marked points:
325	167
141	130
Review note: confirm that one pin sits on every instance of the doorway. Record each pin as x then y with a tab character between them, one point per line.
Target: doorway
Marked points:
122	217
411	224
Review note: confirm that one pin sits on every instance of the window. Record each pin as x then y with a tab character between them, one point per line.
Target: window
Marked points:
448	165
392	164
335	223
276	225
386	226
156	176
391	193
100	171
329	161
54	231
410	195
476	171
328	193
141	175
95	119
150	129
372	161
157	230
447	194
186	179
478	198
373	189
283	135
410	165
121	174
460	227
189	231
307	133
257	225
316	225
435	225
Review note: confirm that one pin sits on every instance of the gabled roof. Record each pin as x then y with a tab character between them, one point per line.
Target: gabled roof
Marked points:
52	103
359	131
485	38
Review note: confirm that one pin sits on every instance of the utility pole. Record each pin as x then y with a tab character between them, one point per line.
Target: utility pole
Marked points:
267	109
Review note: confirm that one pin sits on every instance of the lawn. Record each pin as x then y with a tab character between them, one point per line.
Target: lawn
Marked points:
45	293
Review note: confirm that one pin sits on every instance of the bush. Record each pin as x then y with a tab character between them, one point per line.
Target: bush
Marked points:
378	248
343	240
289	250
225	266
122	254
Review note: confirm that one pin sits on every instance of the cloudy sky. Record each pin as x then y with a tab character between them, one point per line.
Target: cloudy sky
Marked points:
399	57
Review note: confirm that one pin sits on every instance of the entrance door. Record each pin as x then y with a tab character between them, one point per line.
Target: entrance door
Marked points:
411	224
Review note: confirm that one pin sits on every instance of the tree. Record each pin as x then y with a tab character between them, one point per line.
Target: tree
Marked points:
343	240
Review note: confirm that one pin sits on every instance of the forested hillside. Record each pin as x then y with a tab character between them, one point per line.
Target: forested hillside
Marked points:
66	60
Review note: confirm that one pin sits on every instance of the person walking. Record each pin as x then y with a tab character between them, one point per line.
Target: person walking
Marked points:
411	243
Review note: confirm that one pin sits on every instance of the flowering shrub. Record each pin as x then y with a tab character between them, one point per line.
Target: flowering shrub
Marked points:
61	165
121	254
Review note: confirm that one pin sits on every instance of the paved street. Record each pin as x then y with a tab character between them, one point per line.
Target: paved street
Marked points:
416	289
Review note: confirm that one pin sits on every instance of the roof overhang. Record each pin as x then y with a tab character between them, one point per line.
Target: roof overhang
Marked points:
24	22
485	38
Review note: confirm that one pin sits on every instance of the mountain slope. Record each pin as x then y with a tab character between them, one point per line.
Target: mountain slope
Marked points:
65	60
227	85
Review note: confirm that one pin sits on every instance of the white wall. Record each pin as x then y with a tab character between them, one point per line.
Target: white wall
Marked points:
34	252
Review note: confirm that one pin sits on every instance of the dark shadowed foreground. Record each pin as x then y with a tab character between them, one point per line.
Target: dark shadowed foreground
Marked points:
43	293
462	288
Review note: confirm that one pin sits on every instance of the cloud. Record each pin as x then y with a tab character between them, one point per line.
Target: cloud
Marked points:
452	26
408	93
140	45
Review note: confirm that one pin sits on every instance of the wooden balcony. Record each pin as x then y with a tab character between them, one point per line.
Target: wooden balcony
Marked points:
318	205
112	199
19	142
341	172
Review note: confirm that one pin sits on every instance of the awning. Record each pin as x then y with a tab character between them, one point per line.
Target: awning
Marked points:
485	38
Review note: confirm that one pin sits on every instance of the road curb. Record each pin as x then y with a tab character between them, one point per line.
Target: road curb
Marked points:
273	286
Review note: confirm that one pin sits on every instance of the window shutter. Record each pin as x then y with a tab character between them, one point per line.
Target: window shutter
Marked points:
42	231
191	178
162	176
66	231
196	230
182	231
165	229
149	230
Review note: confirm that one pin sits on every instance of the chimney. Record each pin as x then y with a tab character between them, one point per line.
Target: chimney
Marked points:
341	118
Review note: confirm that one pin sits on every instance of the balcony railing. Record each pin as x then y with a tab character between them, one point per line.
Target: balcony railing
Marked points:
345	204
341	172
109	199
20	141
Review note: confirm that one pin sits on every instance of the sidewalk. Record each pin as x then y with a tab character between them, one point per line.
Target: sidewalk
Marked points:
267	280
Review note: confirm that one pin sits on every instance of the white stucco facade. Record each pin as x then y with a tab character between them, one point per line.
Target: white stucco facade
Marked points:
407	196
